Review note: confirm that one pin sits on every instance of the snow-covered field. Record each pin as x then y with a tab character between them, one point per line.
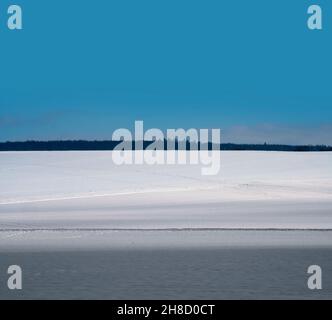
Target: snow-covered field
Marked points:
73	190
82	227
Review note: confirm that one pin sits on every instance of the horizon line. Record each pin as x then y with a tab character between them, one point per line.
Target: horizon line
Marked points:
165	140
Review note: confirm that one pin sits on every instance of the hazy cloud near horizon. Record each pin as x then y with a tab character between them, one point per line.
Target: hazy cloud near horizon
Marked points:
20	130
279	134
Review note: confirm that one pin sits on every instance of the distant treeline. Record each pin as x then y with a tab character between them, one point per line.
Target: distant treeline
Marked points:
81	145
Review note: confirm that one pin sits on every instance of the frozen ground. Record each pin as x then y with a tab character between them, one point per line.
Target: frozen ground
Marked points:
104	240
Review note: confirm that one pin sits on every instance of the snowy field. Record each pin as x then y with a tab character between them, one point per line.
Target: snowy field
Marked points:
85	190
82	227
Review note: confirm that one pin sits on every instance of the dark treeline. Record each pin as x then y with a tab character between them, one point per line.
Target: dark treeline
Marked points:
81	145
275	147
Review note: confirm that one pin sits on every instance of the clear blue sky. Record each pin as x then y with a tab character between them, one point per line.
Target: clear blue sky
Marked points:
80	69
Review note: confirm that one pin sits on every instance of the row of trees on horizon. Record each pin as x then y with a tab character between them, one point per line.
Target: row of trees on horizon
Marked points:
81	145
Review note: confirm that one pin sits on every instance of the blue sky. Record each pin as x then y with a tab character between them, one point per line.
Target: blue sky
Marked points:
80	69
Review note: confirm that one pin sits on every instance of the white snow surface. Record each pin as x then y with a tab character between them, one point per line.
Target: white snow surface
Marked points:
86	190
